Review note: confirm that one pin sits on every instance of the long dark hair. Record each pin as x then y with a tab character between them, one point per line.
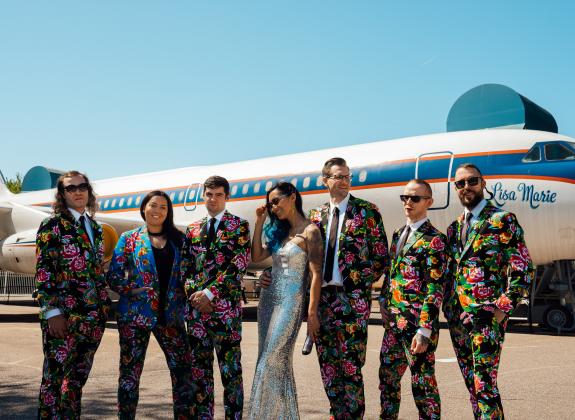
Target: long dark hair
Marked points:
168	227
59	206
277	230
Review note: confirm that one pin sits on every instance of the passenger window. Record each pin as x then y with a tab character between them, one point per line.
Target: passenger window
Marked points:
294	182
245	189
533	155
306	181
234	189
556	151
268	185
319	181
257	188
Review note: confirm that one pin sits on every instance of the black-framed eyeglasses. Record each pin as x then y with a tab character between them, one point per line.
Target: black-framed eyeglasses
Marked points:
472	181
83	187
414	198
275	201
340	177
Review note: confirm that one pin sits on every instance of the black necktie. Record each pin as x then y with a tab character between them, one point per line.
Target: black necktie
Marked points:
211	232
402	239
83	224
465	228
330	255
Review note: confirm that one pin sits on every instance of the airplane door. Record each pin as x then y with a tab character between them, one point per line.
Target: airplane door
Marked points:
436	169
192	196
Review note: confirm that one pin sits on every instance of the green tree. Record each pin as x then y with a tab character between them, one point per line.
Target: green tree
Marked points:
15	184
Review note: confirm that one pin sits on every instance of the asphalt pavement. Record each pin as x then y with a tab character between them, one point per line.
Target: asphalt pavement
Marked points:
537	375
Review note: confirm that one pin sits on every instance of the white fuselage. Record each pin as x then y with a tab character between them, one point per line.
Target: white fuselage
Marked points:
542	194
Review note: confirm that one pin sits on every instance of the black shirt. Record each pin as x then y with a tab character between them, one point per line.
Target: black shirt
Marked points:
164	258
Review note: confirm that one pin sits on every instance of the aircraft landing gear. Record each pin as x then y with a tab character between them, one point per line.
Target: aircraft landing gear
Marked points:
552	301
558	318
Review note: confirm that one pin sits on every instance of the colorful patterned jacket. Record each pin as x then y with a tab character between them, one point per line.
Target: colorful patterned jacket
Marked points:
134	255
414	291
362	255
493	269
69	271
219	268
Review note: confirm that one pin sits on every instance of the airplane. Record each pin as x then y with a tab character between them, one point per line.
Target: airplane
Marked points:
528	172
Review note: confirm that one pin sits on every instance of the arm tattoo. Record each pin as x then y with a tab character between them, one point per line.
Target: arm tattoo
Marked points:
314	245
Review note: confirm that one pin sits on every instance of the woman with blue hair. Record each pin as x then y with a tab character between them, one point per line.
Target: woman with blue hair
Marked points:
296	248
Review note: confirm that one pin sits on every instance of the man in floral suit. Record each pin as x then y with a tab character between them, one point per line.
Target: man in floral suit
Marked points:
356	256
492	271
410	301
71	292
215	256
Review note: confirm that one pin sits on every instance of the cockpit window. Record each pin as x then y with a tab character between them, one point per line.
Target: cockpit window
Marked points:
534	155
557	151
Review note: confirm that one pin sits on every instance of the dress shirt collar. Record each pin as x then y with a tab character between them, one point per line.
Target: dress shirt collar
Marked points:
416	225
77	214
342	205
476	211
218	217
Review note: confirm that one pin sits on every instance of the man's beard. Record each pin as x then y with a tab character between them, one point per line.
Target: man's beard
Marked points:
477	197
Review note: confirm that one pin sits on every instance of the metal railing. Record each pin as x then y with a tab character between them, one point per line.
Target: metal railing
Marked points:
16	285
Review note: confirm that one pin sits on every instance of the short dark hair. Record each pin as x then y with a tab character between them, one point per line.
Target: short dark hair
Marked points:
423	182
336	161
168	227
216	181
60	205
468	165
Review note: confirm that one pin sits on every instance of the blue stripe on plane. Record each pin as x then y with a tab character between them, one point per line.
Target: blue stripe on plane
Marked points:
366	176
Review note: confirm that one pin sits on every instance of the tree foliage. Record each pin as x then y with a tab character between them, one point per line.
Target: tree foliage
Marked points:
14	184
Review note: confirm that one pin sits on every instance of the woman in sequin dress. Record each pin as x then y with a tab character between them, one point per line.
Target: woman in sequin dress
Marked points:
295	246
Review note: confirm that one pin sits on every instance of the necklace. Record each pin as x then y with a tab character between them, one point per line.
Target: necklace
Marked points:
156	233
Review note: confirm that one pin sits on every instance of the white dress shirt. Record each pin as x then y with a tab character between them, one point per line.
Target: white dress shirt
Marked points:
412	228
77	216
475	212
218	218
426	332
55	312
336	279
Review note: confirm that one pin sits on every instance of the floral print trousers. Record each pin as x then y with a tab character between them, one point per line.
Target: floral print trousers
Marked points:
229	355
341	345
67	364
395	357
133	345
477	341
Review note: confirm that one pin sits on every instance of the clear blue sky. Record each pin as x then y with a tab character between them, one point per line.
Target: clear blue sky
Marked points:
122	87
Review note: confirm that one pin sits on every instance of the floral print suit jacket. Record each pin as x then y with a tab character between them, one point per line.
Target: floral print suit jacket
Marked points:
362	255
414	291
69	270
219	268
493	269
134	255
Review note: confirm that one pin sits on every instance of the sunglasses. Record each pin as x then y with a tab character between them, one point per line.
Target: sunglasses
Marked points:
275	201
83	187
471	181
414	198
